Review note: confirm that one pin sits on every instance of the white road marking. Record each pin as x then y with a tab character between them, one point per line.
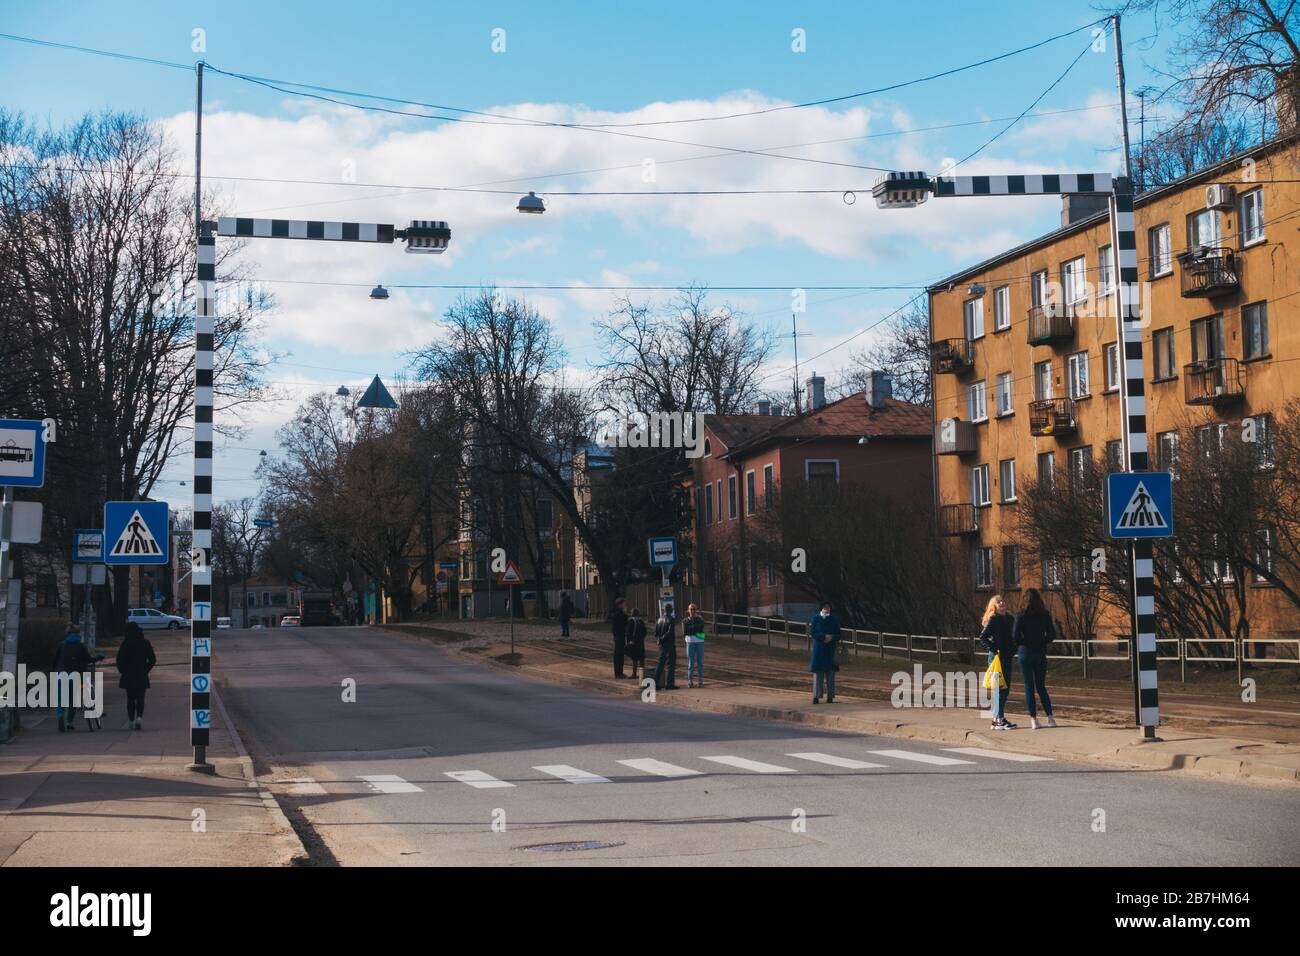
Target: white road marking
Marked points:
478	779
919	757
757	766
301	787
571	774
846	762
995	754
659	768
389	783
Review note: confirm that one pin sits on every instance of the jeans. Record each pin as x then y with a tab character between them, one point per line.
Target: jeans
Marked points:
134	704
695	662
1000	701
1033	667
666	666
564	628
620	646
826	679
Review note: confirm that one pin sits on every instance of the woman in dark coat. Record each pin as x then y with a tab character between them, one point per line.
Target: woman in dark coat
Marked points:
996	637
135	659
1033	634
824	630
635	646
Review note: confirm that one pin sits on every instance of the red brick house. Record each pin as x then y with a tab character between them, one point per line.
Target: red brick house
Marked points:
883	444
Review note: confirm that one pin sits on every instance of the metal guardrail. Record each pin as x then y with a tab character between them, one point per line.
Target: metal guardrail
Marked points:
938	648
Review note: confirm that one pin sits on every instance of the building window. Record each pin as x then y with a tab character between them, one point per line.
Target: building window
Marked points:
1074	281
984	568
1265	559
751	493
731	496
973	313
1001	308
1081	570
1163	361
1051	572
1167	452
1038	288
1043	380
1210	439
708	503
979	486
1077	367
1254	330
1080	460
1252	217
1110	358
735	569
1105	271
1115	455
548	562
47	590
699	506
1005	399
1010	567
1215	568
1007	480
753	567
769	486
976	409
718	486
1046	471
1261	440
1207	339
771	574
825	472
1162	261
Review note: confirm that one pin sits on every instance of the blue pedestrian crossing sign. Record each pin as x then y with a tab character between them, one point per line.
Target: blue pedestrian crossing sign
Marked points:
135	532
1140	504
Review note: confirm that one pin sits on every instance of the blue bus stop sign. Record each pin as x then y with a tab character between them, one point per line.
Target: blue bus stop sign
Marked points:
1140	504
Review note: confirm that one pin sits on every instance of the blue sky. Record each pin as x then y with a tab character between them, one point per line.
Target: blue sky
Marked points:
587	63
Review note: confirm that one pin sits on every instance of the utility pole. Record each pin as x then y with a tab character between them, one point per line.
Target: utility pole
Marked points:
1123	100
794	334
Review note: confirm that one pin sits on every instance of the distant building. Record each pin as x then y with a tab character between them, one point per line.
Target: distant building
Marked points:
265	601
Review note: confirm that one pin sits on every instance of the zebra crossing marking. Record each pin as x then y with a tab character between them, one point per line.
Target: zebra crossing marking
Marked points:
848	763
389	783
478	779
995	754
659	768
743	763
572	774
919	757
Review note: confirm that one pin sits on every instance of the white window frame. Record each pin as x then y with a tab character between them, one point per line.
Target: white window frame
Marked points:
1004	394
1074	281
1252	225
1010	582
1002	308
1074	457
972	312
1105	270
1167	334
733	498
1078	385
979	486
1167	451
977	395
1160	250
1265	553
821	461
1050	480
1042	386
1051	572
984	569
751	492
1260	322
1111	364
769	485
1215	236
1007	480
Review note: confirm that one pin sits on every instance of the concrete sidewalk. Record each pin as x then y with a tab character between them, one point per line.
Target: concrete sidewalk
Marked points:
120	797
581	661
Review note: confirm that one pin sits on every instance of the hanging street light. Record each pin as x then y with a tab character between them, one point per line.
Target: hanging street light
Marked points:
532	203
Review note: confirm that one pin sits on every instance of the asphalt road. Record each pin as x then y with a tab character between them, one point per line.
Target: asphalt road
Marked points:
445	761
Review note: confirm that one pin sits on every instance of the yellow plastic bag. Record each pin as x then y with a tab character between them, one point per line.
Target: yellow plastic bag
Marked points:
993	678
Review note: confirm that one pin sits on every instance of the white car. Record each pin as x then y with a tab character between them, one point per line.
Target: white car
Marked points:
223	624
291	620
151	619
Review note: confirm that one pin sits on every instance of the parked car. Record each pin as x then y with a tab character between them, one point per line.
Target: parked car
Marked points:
223	624
258	627
291	620
151	619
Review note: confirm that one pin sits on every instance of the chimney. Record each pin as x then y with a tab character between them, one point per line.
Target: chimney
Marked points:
764	407
1076	207
880	387
816	393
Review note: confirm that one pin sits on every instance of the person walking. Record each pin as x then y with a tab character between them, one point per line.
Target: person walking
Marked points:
636	641
72	658
1033	633
618	627
693	630
135	659
666	637
566	613
824	631
996	627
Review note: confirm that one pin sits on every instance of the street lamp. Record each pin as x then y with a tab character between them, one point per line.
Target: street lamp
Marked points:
532	203
379	292
903	190
342	391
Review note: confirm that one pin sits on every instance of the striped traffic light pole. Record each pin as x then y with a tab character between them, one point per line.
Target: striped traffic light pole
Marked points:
901	190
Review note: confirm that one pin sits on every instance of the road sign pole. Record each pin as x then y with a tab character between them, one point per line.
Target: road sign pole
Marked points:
9	654
512	620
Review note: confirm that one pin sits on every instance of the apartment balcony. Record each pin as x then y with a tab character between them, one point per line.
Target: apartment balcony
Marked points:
1051	323
1209	272
955	520
1052	416
952	356
952	436
1213	382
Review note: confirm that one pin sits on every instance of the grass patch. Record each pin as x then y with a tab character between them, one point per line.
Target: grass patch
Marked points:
507	658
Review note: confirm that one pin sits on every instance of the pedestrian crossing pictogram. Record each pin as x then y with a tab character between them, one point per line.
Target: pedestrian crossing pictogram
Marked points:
136	539
1140	512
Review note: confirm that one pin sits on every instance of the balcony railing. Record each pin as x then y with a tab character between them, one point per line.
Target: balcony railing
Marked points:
1213	382
958	520
1052	416
952	356
955	437
1050	323
1209	271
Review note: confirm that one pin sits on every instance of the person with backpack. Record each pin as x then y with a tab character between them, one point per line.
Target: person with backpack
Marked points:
636	641
566	613
996	637
1033	633
824	635
693	630
618	627
665	635
135	659
72	658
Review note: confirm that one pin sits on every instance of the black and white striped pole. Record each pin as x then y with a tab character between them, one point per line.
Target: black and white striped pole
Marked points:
422	236
903	190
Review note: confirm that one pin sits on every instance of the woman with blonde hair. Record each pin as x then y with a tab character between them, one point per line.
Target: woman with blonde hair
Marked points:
997	628
693	629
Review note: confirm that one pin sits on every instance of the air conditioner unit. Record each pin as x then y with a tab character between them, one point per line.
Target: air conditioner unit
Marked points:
1219	196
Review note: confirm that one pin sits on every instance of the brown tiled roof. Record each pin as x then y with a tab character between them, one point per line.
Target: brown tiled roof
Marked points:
850	417
733	430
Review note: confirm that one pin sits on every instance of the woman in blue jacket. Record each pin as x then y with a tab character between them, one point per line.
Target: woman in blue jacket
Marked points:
1034	633
824	630
997	638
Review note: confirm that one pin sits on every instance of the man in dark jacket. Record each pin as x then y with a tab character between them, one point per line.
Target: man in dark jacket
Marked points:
566	613
824	631
618	627
70	658
666	636
135	659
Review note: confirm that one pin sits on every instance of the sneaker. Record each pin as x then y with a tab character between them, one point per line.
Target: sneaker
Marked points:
1034	724
830	700
816	700
138	723
999	725
1051	721
1008	725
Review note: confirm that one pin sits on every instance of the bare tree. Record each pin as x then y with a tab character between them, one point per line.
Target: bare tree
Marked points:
902	349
